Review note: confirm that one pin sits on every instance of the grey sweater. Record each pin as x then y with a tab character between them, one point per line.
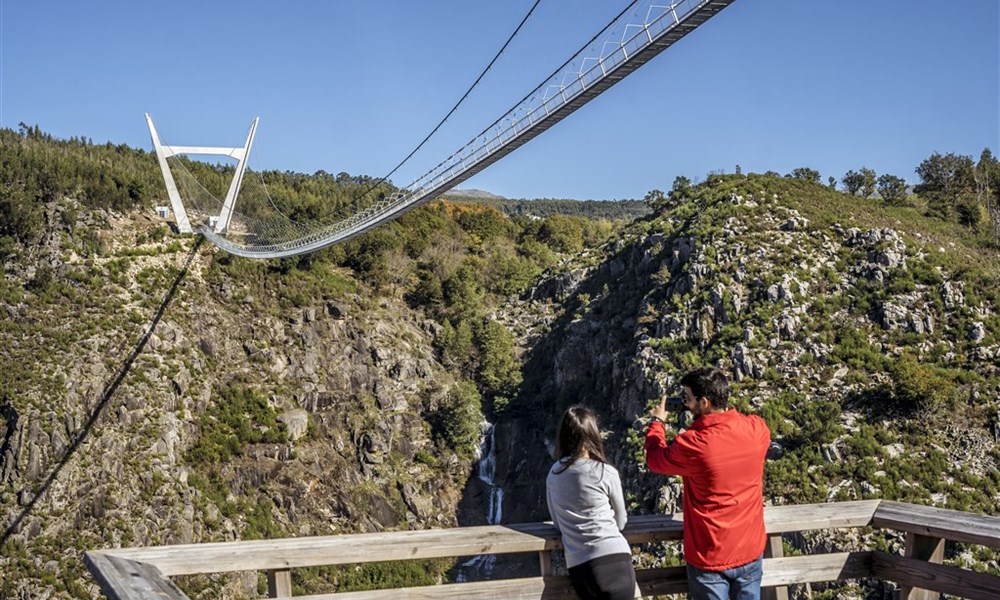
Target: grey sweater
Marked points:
586	505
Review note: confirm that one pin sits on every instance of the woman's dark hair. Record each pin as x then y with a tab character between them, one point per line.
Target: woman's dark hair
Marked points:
578	431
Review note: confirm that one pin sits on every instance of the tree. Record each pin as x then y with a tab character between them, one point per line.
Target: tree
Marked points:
943	179
655	199
867	182
862	182
499	369
459	417
368	255
463	294
968	210
892	189
512	273
20	220
427	291
805	174
454	343
680	187
987	176
562	233
486	222
853	182
832	182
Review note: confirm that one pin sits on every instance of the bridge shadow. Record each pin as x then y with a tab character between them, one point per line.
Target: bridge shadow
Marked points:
105	397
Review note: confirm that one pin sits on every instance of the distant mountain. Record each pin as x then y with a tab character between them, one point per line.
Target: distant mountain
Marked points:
472	194
611	210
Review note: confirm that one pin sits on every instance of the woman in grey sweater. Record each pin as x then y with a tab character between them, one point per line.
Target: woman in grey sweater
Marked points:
584	494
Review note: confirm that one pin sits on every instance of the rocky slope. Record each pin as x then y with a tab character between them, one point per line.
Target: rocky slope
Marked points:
867	337
158	392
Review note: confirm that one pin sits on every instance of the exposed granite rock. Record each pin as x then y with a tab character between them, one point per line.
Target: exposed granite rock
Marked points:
296	422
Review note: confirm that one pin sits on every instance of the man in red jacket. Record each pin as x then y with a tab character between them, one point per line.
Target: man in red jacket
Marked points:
721	460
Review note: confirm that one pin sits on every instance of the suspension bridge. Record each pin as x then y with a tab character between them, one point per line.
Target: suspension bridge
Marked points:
247	222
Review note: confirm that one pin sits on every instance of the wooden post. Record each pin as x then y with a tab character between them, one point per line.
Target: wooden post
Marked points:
279	584
923	547
545	561
774	549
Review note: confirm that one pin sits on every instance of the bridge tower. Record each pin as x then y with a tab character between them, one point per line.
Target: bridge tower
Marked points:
164	152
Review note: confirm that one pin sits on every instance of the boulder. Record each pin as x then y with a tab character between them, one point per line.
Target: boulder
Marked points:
951	294
334	310
296	422
892	316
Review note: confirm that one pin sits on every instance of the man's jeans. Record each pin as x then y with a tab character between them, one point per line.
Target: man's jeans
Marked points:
738	583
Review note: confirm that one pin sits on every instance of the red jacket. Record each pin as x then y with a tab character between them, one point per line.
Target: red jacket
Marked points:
721	459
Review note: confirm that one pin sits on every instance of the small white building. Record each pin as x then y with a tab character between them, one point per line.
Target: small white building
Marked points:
163	212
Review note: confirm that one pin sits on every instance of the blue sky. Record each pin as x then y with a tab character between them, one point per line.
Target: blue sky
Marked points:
354	85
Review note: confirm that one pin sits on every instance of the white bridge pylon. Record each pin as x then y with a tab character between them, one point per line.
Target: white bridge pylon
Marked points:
164	152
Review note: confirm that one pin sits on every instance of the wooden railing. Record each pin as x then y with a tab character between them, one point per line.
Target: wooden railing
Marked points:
134	573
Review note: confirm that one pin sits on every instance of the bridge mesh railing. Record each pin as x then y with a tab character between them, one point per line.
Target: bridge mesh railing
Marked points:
258	228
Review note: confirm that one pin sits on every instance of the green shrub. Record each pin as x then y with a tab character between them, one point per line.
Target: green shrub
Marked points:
499	368
918	386
818	421
459	418
237	417
854	349
260	522
425	458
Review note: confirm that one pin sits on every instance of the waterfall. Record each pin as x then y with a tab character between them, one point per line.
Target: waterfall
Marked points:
485	472
486	469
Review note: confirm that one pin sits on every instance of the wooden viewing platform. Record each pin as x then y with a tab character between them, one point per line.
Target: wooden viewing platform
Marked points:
134	573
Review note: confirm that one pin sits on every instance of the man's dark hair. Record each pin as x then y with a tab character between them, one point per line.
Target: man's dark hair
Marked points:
708	383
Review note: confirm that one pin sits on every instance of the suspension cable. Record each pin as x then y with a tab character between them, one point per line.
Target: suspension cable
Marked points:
539	86
383	179
457	104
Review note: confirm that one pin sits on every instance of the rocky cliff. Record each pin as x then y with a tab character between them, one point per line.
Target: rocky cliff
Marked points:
867	337
160	392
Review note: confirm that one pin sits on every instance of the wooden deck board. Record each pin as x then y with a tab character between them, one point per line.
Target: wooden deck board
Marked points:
806	517
938	522
532	588
122	579
668	580
814	568
948	579
262	555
